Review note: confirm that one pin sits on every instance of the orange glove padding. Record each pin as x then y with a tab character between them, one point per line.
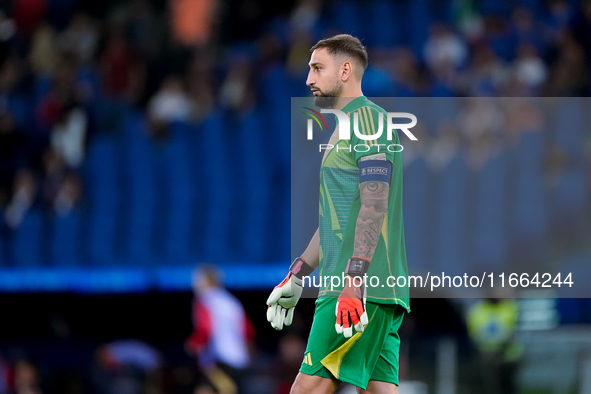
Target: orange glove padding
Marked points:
350	309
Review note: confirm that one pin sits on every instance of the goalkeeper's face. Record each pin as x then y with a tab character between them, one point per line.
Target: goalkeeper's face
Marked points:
324	78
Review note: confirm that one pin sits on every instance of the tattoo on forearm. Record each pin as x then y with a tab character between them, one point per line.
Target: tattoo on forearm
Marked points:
374	204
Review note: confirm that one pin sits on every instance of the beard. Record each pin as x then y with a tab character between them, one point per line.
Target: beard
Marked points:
328	98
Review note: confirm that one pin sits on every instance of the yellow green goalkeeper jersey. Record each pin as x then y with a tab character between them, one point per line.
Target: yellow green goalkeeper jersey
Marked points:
340	204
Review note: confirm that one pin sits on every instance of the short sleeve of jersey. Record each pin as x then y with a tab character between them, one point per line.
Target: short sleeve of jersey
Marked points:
368	125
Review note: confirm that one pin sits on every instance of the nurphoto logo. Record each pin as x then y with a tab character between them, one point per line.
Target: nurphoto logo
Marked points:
344	128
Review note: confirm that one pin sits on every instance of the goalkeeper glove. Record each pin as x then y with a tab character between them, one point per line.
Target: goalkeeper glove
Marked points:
285	295
350	308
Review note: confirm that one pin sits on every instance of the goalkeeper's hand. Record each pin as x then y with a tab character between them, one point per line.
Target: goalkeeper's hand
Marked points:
350	309
284	297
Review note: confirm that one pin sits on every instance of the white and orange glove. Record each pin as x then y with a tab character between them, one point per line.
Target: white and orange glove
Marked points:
350	308
284	297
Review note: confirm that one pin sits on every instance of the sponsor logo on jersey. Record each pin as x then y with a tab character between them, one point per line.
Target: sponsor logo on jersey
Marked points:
379	156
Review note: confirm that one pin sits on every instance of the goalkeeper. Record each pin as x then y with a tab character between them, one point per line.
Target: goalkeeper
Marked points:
360	233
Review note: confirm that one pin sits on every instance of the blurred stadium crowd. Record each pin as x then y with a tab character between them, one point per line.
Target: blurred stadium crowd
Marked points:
109	126
113	120
147	133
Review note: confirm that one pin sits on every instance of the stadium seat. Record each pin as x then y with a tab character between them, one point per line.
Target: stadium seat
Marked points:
101	170
28	240
420	20
3	248
530	219
179	190
451	218
347	18
65	240
383	31
570	116
490	239
141	173
415	203
569	204
218	172
256	186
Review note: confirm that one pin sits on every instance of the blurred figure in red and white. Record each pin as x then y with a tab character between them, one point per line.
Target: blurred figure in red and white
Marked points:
222	331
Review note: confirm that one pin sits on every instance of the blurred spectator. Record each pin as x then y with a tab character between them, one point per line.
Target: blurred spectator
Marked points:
10	155
237	92
418	148
485	73
80	38
556	161
23	197
44	54
68	136
144	28
118	63
221	332
481	115
527	30
170	104
522	118
581	26
569	75
491	324
13	100
3	376
444	48
28	14
305	15
529	70
192	21
299	52
125	366
65	96
68	195
445	147
26	378
54	174
407	73
200	87
291	348
61	188
561	14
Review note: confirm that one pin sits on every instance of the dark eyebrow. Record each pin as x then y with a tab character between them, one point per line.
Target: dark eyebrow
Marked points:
314	64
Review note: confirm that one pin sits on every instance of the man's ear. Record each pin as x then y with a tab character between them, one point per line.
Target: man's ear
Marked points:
346	71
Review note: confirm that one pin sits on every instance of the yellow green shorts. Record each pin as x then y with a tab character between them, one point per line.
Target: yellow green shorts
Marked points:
370	355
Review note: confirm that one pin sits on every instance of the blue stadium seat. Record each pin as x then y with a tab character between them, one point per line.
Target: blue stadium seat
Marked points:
377	82
102	227
141	171
256	182
383	30
569	125
420	22
28	239
451	218
530	219
218	226
415	203
569	203
491	227
3	248
347	18
180	191
66	240
101	180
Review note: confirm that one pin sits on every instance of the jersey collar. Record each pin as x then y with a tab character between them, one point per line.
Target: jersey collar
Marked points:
355	103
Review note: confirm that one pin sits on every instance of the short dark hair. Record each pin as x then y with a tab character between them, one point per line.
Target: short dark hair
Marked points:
344	44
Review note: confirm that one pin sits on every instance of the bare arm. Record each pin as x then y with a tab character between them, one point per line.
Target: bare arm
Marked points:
374	204
312	253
